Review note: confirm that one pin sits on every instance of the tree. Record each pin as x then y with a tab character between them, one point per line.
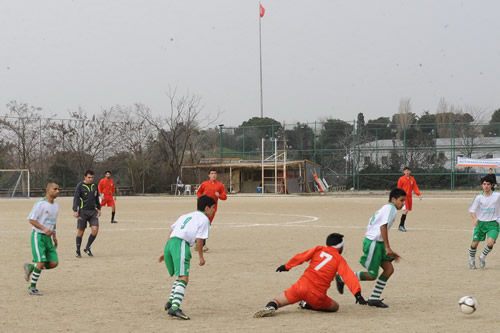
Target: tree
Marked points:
300	140
493	127
379	128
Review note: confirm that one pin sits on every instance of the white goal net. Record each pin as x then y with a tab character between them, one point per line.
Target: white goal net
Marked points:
14	183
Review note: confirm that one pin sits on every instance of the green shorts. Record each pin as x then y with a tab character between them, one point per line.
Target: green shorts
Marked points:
484	228
373	255
42	248
177	256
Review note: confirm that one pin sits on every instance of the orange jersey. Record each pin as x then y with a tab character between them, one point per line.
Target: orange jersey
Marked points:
106	186
325	263
408	184
207	188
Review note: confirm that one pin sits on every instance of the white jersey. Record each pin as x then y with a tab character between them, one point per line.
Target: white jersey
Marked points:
385	215
487	208
191	226
45	213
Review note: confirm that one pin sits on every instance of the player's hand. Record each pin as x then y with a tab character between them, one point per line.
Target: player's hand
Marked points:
161	258
282	268
98	212
359	299
393	254
217	194
420	197
54	239
75	214
202	261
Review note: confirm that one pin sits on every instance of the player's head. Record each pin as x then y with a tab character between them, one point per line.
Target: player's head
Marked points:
397	197
206	205
88	177
107	174
407	171
486	183
336	240
490	171
212	174
52	190
486	179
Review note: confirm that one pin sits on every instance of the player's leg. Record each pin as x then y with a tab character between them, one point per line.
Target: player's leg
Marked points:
39	249
94	227
113	212
271	307
406	208
478	235
178	250
81	225
374	299
362	276
492	234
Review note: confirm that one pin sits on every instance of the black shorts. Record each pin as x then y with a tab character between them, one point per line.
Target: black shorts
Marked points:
85	216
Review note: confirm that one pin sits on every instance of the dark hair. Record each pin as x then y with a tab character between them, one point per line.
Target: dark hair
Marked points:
107	172
487	179
212	169
334	239
397	193
205	201
89	172
407	168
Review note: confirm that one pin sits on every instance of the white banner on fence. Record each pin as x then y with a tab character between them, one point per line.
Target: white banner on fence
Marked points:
470	162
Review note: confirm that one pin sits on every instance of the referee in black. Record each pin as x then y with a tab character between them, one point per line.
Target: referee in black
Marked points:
86	209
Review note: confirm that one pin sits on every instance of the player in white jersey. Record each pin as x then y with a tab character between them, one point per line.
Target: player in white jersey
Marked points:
43	217
376	249
186	231
485	212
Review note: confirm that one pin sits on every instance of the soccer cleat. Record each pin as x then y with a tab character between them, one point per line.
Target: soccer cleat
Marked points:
168	305
78	254
340	284
27	272
472	264
114	221
205	248
402	228
33	291
482	262
178	313
268	311
377	303
89	253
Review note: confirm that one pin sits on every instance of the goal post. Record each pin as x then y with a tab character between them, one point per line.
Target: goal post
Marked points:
14	183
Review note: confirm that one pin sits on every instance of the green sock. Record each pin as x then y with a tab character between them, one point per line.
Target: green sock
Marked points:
180	289
379	287
35	276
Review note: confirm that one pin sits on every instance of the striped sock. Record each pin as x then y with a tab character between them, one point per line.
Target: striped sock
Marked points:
485	252
172	292
179	291
472	253
34	277
379	287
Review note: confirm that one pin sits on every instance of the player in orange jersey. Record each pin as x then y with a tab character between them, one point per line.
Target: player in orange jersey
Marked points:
409	185
107	189
311	288
215	190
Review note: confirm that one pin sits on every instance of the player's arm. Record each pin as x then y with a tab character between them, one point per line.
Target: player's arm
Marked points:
385	236
54	238
200	190
76	201
37	225
162	257
416	189
199	243
474	218
222	194
296	260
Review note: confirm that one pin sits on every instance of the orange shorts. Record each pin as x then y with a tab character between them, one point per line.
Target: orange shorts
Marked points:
303	291
107	200
408	203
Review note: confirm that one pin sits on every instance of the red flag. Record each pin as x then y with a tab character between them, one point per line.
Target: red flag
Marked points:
262	10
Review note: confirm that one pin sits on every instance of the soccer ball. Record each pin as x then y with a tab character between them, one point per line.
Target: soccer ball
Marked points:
467	304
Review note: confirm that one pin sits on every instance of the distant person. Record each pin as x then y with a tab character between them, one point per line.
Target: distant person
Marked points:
86	209
409	185
311	288
377	251
215	190
43	218
107	189
485	213
186	231
493	178
180	186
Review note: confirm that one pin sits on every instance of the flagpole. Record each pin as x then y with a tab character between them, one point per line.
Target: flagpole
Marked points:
260	54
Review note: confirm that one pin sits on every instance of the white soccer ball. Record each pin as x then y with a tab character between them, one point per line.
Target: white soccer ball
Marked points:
468	304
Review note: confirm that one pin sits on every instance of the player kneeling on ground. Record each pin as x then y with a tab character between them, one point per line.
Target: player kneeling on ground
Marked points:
311	288
187	230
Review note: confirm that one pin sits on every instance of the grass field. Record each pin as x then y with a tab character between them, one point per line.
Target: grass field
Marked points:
123	288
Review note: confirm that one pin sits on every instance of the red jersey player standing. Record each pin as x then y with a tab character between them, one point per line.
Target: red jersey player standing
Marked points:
107	189
409	185
215	190
311	288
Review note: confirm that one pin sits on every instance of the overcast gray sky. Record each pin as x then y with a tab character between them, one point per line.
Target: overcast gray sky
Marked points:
321	58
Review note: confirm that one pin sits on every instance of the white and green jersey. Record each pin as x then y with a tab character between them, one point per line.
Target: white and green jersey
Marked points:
191	226
385	215
45	213
487	208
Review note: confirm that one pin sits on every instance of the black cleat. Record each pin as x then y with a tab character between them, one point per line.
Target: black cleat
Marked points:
89	253
114	221
78	254
168	305
178	313
377	303
340	284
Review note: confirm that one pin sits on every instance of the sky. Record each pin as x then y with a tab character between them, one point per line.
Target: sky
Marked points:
320	59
